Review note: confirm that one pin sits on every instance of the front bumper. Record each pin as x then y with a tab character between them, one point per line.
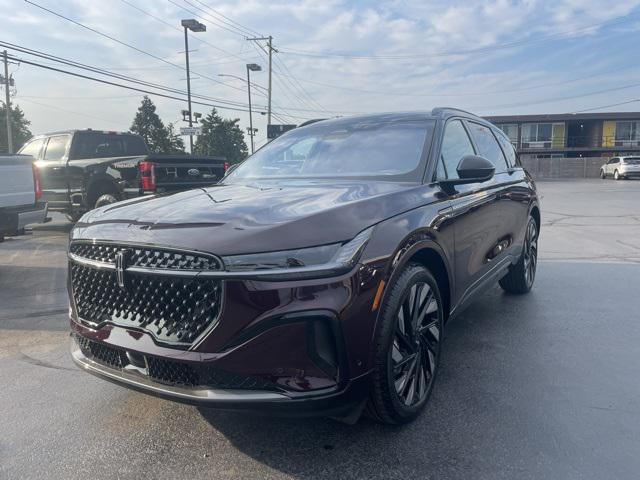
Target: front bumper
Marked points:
331	402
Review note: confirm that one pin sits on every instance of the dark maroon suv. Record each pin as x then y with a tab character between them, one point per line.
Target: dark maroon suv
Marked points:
317	277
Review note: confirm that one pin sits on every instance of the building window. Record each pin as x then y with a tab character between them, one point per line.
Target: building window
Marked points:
537	132
627	131
511	130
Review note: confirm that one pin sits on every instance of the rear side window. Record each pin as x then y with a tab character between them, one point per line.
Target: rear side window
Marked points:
100	145
455	145
56	147
488	146
508	150
32	148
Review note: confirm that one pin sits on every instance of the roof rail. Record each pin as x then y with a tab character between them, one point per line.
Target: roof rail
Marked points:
309	122
442	110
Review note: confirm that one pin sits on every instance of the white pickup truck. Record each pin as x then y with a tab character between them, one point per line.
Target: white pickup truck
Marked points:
20	195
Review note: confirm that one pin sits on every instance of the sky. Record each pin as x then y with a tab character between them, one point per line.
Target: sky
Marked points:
334	57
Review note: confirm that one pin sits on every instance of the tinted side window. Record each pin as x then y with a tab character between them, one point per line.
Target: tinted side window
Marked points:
56	147
488	146
134	146
32	148
455	145
101	145
508	150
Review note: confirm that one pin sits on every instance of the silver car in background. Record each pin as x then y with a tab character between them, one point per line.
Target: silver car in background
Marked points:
621	167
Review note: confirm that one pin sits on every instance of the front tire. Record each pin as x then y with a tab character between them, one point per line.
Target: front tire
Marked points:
407	347
602	174
521	276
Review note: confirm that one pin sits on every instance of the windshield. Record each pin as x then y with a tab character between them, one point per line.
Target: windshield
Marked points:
342	149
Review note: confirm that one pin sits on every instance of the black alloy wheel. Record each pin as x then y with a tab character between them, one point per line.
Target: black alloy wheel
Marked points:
522	275
407	347
416	344
531	253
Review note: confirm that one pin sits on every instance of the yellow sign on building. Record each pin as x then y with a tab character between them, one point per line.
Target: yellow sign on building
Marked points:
609	134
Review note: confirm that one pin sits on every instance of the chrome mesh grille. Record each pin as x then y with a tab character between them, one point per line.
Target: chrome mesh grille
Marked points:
174	309
140	256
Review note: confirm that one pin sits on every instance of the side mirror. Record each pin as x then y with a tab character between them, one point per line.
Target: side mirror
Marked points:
472	169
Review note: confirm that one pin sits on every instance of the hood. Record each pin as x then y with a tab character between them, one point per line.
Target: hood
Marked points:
233	219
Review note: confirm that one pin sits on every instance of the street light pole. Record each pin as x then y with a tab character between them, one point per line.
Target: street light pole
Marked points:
256	68
194	26
186	51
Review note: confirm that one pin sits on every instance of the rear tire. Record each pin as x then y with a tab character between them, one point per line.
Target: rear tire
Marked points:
520	278
106	199
616	175
407	347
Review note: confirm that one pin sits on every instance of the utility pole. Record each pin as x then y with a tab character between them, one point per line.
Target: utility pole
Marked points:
7	102
269	40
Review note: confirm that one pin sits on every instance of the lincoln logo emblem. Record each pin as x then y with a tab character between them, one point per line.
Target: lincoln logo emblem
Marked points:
121	265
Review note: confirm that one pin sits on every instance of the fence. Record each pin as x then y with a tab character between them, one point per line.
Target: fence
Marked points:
585	167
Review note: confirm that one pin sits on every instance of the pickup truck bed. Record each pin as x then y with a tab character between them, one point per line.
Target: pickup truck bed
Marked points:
19	202
85	169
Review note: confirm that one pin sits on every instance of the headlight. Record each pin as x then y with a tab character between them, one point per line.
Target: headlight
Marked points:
330	259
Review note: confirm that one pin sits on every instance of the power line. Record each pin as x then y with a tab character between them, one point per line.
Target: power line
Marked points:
517	43
559	99
244	27
128	45
606	106
285	87
23	99
128	87
297	83
105	72
229	54
464	94
195	14
233	29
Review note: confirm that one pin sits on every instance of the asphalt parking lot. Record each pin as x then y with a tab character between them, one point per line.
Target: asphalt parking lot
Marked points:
545	385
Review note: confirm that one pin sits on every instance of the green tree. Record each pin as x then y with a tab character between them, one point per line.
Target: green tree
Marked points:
20	132
175	144
158	137
221	137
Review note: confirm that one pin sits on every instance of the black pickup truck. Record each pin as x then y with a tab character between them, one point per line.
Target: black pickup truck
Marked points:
84	169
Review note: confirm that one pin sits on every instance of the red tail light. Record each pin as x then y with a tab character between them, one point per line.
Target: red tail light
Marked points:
226	166
37	184
147	176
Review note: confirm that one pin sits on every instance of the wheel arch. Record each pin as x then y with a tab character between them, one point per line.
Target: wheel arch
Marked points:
99	186
428	253
535	213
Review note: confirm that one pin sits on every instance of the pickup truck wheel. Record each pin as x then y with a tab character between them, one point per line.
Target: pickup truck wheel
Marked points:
105	199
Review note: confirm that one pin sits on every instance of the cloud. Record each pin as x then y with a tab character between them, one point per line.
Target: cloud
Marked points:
513	44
